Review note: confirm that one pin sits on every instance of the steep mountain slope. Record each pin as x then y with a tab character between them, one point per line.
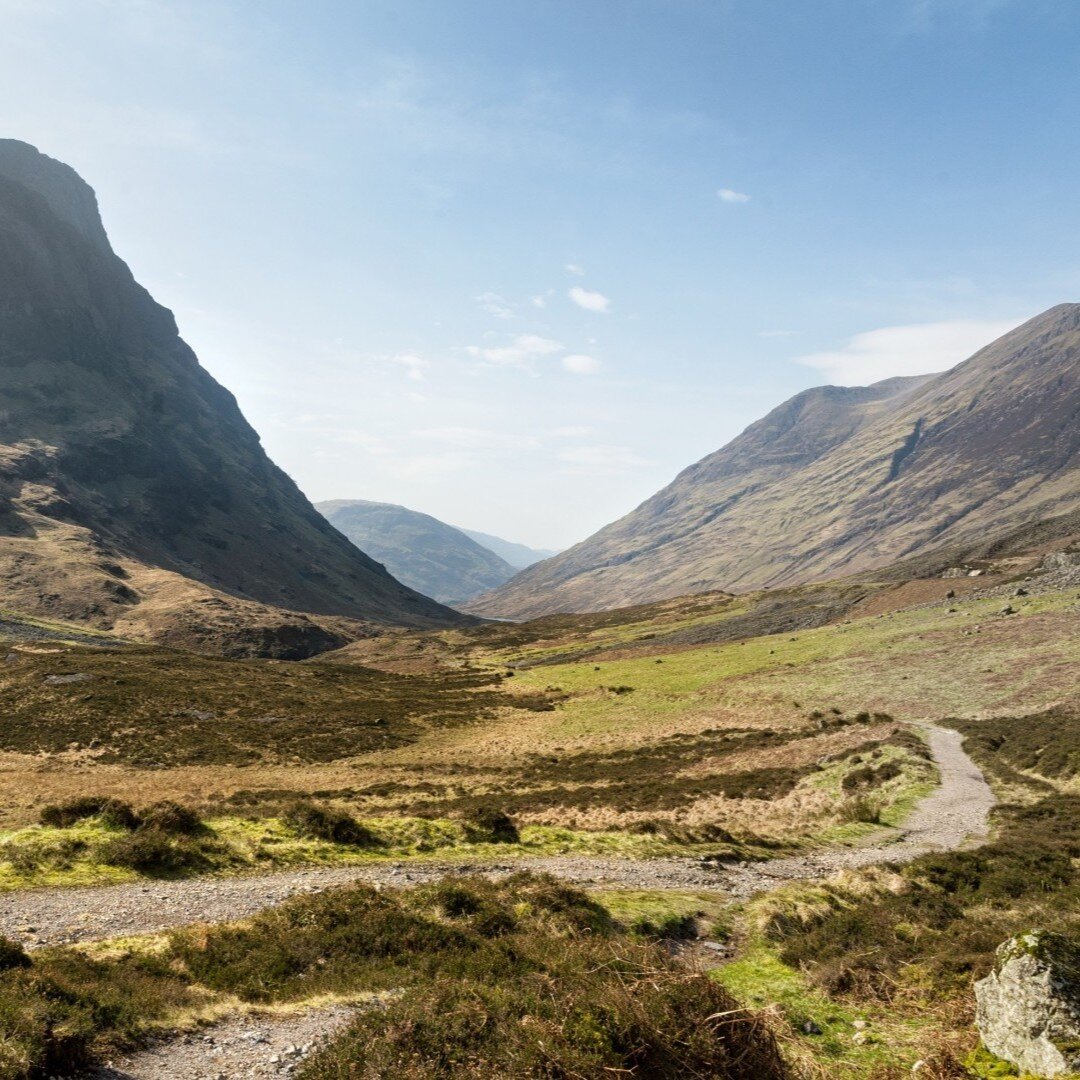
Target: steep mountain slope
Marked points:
839	480
423	552
517	555
128	476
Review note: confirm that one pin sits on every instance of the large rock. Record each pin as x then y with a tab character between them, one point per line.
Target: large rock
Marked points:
1029	1006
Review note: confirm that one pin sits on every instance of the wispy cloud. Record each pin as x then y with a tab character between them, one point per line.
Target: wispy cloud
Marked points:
496	305
473	437
580	364
573	268
589	300
414	365
777	333
730	195
598	460
918	349
520	352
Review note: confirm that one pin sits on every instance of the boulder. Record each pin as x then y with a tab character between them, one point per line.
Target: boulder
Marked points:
1028	1008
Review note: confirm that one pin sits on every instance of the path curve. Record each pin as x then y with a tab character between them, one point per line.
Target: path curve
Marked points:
955	814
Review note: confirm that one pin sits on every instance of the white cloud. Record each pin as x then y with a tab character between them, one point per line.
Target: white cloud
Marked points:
573	432
777	333
580	364
494	304
600	459
521	351
728	195
414	365
539	300
918	349
573	268
589	300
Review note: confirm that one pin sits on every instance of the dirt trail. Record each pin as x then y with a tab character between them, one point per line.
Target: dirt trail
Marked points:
952	816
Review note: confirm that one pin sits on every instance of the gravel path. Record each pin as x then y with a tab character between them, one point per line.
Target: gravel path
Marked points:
247	1046
953	816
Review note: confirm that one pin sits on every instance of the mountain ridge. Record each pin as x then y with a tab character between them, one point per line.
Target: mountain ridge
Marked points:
837	480
421	551
123	460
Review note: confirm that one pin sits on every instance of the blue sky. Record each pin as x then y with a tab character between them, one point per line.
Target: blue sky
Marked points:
516	264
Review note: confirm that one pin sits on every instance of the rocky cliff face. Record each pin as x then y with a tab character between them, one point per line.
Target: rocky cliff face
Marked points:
423	552
127	473
842	480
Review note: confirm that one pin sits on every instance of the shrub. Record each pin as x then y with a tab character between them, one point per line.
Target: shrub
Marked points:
153	852
668	928
324	823
490	825
112	812
171	818
862	809
12	955
596	1014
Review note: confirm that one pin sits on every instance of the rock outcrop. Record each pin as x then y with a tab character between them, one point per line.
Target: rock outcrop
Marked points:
1029	1006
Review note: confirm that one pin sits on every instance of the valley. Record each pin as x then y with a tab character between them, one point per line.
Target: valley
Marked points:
752	784
663	759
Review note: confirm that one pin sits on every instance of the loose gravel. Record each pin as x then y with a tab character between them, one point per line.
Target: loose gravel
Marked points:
268	1046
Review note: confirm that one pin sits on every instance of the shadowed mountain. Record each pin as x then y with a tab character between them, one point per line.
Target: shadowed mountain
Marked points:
420	550
841	480
133	493
517	555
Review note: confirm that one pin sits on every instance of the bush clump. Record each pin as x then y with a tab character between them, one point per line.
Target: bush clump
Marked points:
670	927
149	851
12	955
324	823
171	818
594	1014
490	825
113	813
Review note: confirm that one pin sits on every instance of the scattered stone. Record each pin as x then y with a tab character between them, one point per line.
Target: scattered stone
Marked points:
1008	609
63	680
1028	1007
810	1028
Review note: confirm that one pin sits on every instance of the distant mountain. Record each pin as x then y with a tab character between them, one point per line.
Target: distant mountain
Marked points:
517	555
133	494
841	480
423	552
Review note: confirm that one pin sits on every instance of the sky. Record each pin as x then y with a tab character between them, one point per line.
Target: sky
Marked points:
516	264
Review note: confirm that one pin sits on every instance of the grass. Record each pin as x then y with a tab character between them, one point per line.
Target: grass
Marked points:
903	945
468	960
154	707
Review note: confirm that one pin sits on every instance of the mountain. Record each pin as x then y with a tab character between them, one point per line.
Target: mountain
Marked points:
841	480
133	493
423	552
517	555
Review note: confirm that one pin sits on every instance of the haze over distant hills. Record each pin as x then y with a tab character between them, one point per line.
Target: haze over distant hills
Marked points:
423	552
839	480
517	555
134	495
